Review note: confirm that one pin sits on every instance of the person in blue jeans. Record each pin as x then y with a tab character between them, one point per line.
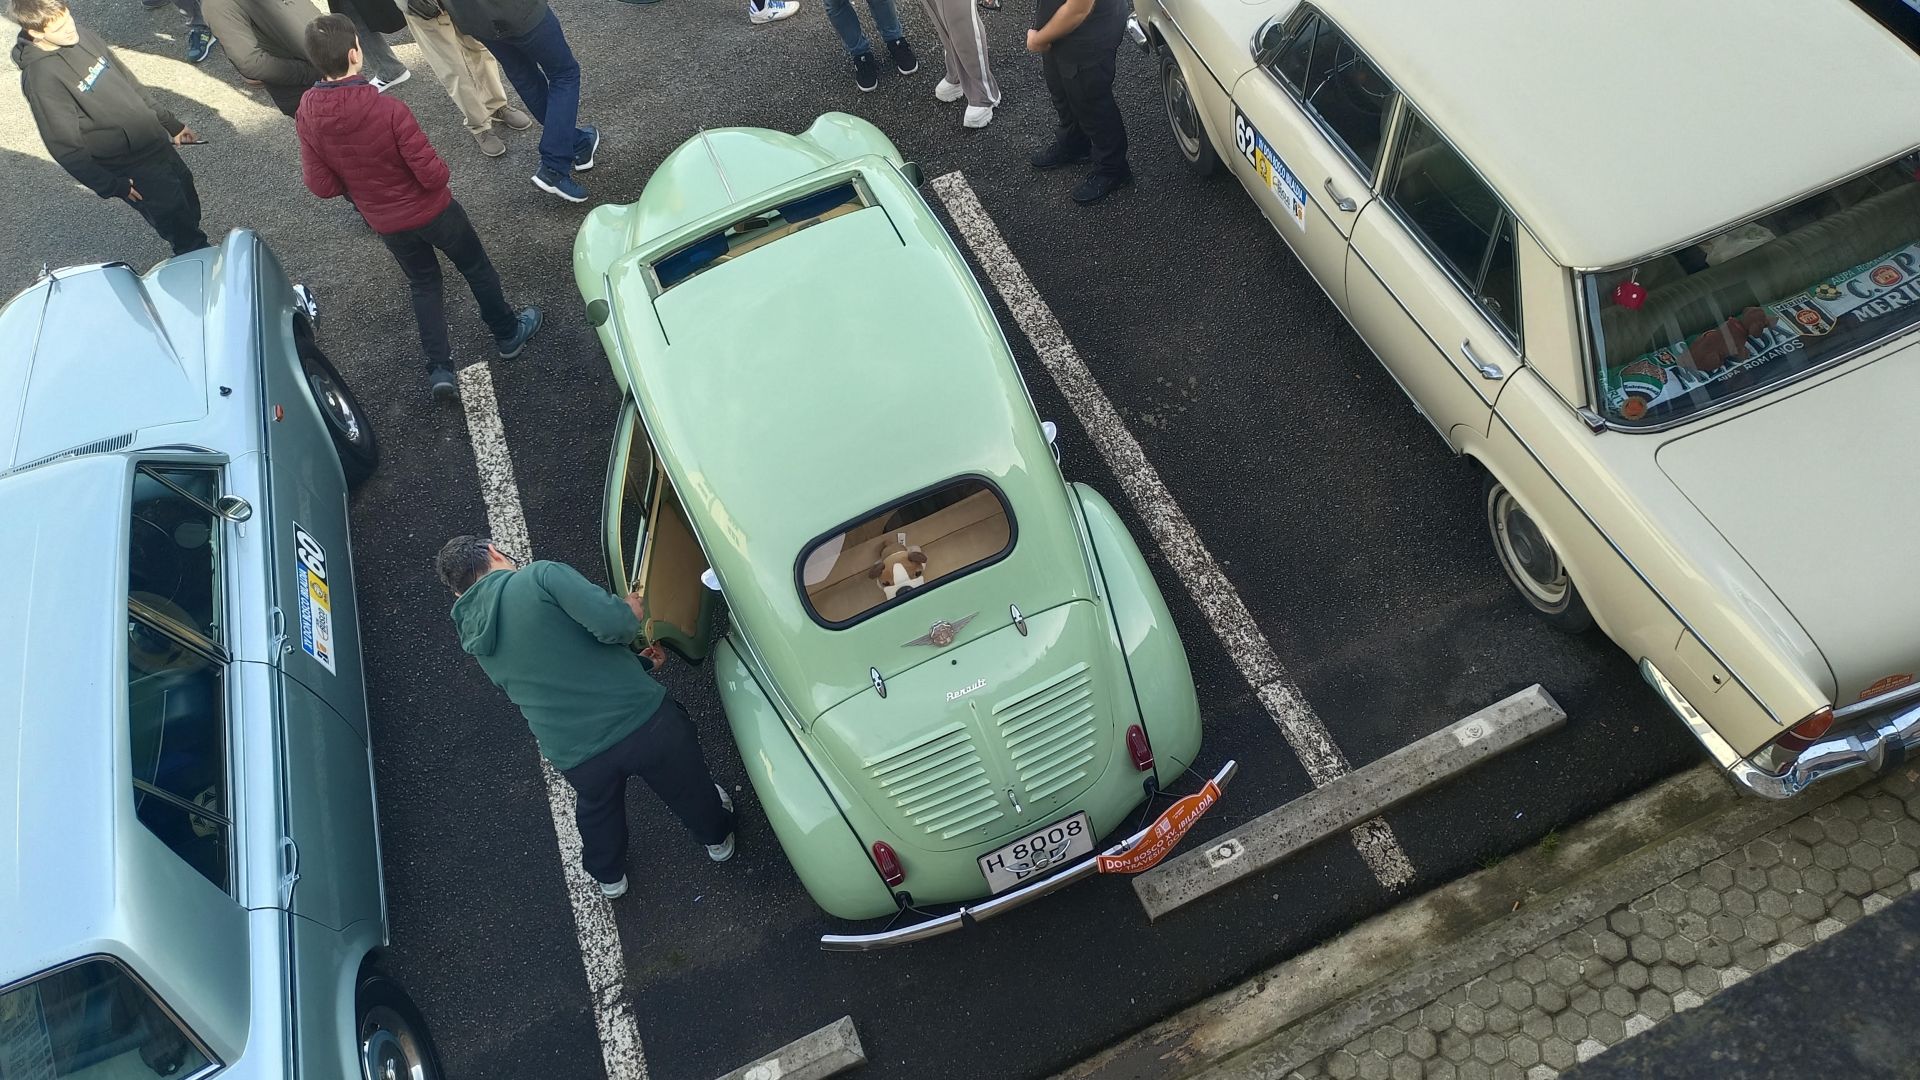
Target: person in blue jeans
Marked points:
200	40
846	23
525	36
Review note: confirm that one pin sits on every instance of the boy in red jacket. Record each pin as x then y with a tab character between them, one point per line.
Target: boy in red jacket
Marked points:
357	142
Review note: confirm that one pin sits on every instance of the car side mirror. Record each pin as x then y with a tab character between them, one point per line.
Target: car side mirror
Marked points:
1052	431
233	508
710	579
912	171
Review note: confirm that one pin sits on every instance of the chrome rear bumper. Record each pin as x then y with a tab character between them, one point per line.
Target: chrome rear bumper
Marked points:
1878	742
1138	34
999	905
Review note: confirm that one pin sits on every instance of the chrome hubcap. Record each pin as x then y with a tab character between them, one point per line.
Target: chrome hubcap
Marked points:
389	1049
1182	115
334	403
1536	566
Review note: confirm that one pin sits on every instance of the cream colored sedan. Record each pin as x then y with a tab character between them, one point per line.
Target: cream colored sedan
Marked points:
1655	267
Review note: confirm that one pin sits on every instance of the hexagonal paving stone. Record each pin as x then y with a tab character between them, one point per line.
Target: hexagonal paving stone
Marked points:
1389	1041
1727	926
1737	902
1548	998
1404	1068
1670	898
1855	806
1502	1021
1501	974
1454	996
1863	855
1610	946
1817	879
1750	878
1441	1070
1801	935
1407	1021
1657	924
1876	832
1631	975
1489	1048
1773	905
1703	980
1436	1017
1455	1045
1516	995
1475	1070
1341	1066
1570	1026
1507	1070
1597	973
1784	879
1886	877
1900	857
1624	923
1558	1052
1845	908
1536	1024
1716	954
1644	949
1806	829
1839	829
1359	1046
1422	1044
1907	831
1655	1005
1798	855
1680	951
1563	970
1762	852
1830	855
1749	956
1469	1018
1762	930
1618	1000
1589	1049
1807	905
1734	975
1693	925
1483	992
1666	977
1716	875
1584	1002
1530	969
1687	999
1607	1027
1523	1051
1373	1066
1875	903
1637	1024
1855	881
1703	901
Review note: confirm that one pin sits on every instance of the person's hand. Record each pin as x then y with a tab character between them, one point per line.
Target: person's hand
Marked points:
186	137
636	604
655	655
1034	44
133	193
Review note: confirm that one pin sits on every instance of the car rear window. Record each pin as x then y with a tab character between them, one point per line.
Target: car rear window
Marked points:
92	1019
901	550
1758	304
757	230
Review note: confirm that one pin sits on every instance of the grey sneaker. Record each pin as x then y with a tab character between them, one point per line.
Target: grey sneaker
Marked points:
721	851
490	143
441	385
614	891
527	323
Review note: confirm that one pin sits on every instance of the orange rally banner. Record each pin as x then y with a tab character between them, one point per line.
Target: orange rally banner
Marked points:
1165	834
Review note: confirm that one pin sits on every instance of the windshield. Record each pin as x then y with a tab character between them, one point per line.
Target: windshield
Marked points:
895	553
92	1020
1760	303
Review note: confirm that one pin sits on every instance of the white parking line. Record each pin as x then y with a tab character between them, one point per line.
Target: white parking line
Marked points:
1168	524
592	914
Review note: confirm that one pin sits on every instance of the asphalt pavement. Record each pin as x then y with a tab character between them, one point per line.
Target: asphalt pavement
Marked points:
1353	536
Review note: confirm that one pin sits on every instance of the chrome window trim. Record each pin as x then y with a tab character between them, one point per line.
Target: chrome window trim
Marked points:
1368	173
1732	672
214	1064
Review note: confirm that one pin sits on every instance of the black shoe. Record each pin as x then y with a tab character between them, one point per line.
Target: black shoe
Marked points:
441	385
529	321
903	58
1099	185
866	73
1057	155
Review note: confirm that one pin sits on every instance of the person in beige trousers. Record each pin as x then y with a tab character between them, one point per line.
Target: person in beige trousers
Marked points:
964	40
469	73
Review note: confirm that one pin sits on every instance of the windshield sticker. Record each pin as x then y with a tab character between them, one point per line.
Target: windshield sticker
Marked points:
1272	171
1758	335
316	600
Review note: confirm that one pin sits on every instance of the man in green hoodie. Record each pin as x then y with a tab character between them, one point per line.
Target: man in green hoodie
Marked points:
558	645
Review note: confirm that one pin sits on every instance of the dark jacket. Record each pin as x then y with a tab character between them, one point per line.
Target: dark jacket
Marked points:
492	20
94	116
557	644
357	141
265	40
382	15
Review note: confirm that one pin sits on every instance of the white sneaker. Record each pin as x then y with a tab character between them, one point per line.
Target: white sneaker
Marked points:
619	888
978	116
949	91
771	11
719	852
384	85
726	800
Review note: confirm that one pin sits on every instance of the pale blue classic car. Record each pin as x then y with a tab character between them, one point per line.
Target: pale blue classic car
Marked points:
190	868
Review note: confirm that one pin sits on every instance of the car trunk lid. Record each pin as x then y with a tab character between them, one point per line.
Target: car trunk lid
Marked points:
993	736
1816	492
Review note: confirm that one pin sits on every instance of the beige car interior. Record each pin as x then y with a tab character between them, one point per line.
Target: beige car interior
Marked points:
744	237
671	562
954	537
1680	305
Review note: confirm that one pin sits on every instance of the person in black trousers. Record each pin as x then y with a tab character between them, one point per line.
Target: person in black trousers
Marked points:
1078	41
99	124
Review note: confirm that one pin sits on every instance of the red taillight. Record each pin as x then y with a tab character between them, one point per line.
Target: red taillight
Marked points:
1806	732
1138	746
890	869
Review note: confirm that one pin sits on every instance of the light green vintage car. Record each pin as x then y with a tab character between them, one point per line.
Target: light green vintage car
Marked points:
948	670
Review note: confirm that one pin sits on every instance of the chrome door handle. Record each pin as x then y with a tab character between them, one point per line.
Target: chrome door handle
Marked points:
1486	370
1345	204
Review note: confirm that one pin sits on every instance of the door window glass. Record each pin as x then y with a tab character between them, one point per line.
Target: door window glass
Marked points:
92	1020
1339	85
896	552
174	550
1460	217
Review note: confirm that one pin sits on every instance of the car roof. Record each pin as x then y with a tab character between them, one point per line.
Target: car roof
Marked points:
789	402
61	684
82	328
1622	129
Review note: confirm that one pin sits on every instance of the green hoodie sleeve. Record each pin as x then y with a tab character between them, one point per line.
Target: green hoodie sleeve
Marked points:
605	615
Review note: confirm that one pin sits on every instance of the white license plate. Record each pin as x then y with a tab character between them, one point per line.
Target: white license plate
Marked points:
1039	851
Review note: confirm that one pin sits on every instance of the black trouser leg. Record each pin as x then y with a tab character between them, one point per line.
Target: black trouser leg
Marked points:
600	810
1067	134
168	200
673	766
412	250
1089	86
286	98
452	232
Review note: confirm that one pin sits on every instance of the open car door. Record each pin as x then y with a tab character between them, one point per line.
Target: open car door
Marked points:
649	546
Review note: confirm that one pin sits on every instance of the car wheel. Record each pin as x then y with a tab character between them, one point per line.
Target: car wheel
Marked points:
1183	116
1531	563
347	423
393	1042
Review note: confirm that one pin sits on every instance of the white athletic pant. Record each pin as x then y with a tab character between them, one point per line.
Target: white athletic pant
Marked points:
965	42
